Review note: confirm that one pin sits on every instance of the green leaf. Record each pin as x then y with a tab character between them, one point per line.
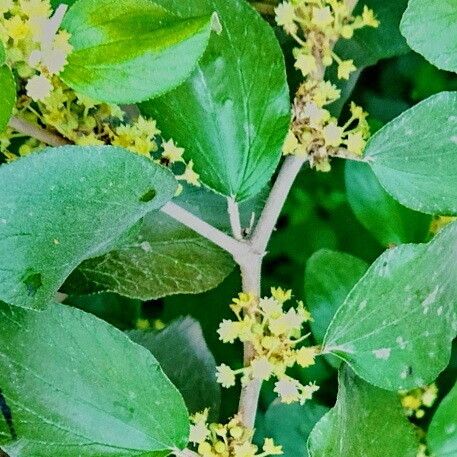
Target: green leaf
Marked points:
76	386
232	115
64	205
388	221
369	45
396	326
185	358
129	52
290	425
366	421
442	432
7	95
415	156
329	278
431	30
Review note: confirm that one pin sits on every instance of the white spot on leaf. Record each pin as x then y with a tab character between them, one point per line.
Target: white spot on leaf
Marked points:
383	353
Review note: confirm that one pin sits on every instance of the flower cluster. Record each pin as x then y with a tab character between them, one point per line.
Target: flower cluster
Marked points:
276	336
227	440
37	51
35	47
316	25
414	401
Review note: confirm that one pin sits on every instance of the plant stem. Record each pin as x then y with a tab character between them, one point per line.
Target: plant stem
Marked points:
221	239
234	214
275	202
34	131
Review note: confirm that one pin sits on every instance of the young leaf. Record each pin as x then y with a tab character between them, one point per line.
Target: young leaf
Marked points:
329	278
442	432
366	421
74	385
132	51
369	45
185	358
431	30
7	95
290	425
415	156
232	115
396	326
388	221
64	205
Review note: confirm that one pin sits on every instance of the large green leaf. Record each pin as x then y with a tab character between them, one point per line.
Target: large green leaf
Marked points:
125	52
415	155
442	432
290	425
233	113
74	385
396	326
64	205
431	30
365	422
369	45
182	352
329	278
7	95
390	222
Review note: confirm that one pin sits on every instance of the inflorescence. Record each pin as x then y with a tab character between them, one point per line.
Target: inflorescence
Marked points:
276	337
316	25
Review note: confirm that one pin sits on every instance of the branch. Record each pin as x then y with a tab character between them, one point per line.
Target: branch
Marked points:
238	249
234	215
278	195
34	131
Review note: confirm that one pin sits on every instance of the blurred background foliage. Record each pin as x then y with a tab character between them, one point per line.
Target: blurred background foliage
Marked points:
344	210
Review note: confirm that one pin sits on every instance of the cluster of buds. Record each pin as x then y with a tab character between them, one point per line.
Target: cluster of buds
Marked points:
316	25
227	440
37	50
277	341
414	401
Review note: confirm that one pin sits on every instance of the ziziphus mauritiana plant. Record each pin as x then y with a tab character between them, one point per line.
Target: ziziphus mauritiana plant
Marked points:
148	149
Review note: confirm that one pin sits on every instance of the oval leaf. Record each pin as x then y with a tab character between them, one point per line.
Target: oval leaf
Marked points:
58	208
232	115
366	421
388	221
7	96
396	326
438	19
129	52
415	155
442	432
74	385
